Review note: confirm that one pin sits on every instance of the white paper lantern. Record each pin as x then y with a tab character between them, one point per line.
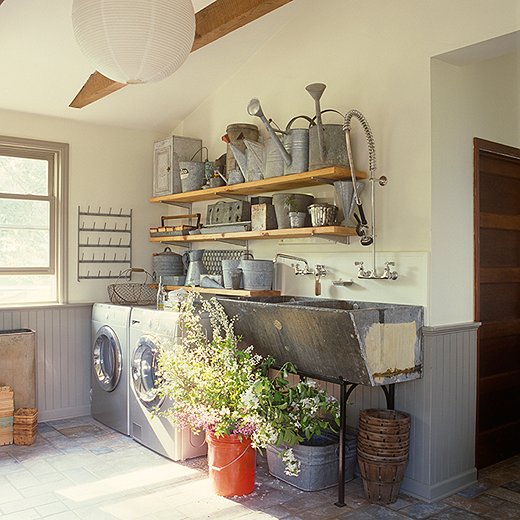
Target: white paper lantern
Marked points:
134	41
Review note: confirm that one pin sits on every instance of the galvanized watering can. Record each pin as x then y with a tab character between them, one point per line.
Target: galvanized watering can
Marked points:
294	151
251	161
327	145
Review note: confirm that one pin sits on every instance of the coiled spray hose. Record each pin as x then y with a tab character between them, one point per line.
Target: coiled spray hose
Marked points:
362	226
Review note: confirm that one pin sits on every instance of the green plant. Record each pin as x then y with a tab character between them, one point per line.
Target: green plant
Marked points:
217	386
290	203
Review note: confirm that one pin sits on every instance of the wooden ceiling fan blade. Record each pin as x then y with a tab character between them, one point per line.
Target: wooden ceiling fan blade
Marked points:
96	87
224	16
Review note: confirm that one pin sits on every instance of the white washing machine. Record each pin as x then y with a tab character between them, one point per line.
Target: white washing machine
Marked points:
109	359
150	330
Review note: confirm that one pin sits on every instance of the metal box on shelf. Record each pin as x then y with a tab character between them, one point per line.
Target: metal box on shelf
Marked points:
166	157
263	217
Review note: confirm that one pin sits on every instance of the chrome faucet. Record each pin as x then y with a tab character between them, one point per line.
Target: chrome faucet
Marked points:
297	268
387	274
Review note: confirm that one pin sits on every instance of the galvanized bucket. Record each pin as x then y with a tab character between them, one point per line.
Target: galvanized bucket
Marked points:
296	142
257	274
334	152
168	263
300	202
229	265
193	173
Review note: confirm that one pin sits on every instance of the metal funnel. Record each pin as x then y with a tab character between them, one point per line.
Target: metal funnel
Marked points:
316	91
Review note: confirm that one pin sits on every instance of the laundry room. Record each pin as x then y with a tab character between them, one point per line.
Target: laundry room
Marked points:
332	172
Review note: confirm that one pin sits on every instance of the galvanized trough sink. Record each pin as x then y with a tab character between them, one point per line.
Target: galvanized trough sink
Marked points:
360	342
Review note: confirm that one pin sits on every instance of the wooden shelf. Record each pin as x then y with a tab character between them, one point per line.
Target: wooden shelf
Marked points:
284	182
223	292
337	233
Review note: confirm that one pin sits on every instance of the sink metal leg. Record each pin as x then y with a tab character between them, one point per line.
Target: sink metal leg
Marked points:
389	391
346	389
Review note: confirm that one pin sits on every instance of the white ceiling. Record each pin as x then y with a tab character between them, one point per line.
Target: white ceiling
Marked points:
42	68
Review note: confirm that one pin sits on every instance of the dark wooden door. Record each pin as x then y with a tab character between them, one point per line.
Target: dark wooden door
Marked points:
497	300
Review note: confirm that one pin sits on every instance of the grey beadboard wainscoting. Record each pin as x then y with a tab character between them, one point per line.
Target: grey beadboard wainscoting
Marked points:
63	339
443	409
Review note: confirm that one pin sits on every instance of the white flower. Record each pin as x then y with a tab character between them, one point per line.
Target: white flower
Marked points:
292	464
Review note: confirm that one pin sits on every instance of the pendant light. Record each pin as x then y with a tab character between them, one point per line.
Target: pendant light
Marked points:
134	41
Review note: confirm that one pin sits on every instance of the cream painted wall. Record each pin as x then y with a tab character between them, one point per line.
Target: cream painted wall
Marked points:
479	100
109	167
374	56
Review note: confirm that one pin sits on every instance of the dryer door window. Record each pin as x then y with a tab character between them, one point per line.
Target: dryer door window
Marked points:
107	358
144	366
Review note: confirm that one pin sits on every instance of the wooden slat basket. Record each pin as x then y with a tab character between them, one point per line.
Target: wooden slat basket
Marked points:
6	415
25	426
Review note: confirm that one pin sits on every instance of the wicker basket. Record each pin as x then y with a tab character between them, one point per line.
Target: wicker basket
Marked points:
383	446
130	293
25	426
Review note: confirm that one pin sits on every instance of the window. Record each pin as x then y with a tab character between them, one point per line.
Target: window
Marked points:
33	181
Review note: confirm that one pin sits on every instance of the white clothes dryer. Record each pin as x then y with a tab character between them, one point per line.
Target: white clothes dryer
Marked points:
110	367
149	331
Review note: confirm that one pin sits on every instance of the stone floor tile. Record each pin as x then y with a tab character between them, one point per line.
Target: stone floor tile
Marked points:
454	513
47	487
420	511
52	509
22	479
475	489
17	506
66	515
28	514
479	505
372	512
505	494
505	511
8	493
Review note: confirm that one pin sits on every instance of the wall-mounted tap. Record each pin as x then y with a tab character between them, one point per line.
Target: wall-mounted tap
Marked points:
387	274
319	273
361	270
298	269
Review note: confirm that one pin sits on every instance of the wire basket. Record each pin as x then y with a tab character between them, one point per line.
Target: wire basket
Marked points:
131	293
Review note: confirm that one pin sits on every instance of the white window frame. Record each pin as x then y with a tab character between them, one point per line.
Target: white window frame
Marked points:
57	156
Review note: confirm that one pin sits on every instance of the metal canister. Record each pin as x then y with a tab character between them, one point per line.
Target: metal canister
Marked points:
323	214
296	142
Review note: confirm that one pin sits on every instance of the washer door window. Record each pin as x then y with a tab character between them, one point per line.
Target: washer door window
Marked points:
107	358
144	366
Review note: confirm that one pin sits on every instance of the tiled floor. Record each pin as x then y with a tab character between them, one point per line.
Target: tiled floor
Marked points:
79	469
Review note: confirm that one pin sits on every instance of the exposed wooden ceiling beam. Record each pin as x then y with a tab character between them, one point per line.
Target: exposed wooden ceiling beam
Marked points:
211	23
224	16
96	87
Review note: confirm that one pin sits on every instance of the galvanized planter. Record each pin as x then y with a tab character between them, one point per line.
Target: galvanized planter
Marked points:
318	464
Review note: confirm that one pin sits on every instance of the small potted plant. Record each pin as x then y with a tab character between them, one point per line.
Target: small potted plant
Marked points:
296	218
216	386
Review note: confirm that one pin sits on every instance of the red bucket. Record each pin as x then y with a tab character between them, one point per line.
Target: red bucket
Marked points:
232	462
